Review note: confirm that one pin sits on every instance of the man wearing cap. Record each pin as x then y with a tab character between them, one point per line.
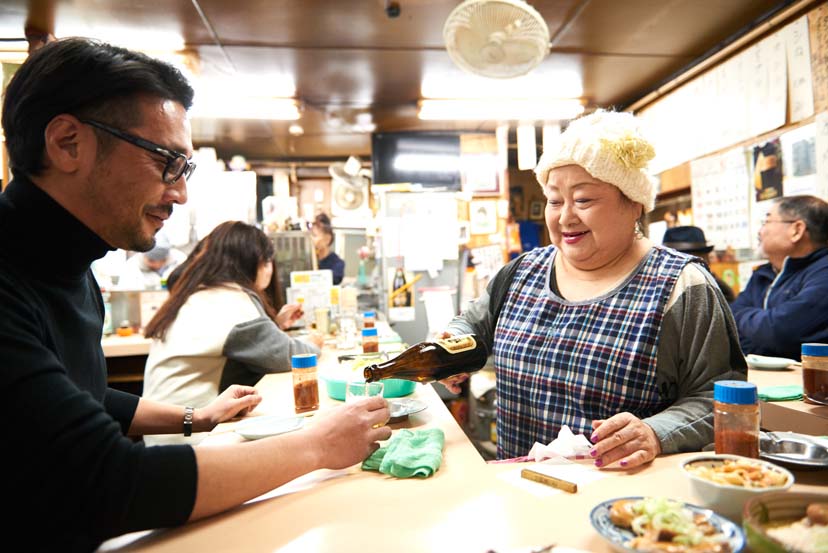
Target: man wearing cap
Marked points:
785	303
691	240
149	270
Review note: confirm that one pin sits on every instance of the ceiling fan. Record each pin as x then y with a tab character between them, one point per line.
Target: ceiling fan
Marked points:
496	38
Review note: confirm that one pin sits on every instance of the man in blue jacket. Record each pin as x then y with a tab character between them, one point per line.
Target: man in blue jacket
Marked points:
785	303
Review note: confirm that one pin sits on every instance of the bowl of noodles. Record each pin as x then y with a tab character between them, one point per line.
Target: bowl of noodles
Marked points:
724	483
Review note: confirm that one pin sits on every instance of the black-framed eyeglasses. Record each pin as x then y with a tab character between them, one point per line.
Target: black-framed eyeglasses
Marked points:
177	163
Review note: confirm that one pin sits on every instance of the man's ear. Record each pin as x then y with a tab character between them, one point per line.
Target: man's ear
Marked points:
68	144
798	230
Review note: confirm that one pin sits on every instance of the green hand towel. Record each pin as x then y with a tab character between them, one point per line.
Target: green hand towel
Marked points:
409	453
780	393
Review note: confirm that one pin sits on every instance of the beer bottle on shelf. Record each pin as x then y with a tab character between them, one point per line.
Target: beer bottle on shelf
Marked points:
403	299
435	360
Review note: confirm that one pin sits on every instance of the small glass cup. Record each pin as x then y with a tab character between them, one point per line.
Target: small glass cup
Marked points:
322	317
358	390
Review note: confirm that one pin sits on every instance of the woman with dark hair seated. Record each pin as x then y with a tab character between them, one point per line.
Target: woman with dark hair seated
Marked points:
218	327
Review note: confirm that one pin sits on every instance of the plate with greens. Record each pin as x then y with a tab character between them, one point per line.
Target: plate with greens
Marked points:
634	524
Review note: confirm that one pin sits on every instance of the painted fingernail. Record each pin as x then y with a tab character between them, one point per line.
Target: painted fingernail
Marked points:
593	438
593	452
623	463
598	462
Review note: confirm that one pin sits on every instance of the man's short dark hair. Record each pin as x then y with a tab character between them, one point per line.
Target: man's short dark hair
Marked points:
813	212
85	78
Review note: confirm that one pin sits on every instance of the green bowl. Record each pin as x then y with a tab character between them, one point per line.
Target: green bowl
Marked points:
393	387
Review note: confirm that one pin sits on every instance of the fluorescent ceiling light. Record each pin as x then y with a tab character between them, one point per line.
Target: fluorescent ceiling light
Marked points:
514	109
550	132
557	84
143	39
526	148
284	109
240	86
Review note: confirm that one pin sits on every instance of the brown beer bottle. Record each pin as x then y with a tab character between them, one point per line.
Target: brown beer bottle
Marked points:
429	361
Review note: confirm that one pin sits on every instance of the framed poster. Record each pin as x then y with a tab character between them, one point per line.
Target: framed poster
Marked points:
483	216
536	209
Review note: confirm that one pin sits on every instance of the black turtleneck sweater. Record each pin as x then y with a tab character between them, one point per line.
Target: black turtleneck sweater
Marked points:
70	476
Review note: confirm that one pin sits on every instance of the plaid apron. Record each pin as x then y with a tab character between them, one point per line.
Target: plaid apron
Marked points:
561	362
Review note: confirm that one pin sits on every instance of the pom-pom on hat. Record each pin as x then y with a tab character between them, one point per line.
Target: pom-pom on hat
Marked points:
610	147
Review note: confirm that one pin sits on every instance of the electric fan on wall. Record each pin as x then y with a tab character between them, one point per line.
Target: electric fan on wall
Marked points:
496	38
349	188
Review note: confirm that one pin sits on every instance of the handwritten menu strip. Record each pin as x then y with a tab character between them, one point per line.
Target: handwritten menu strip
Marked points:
744	97
721	198
821	139
800	87
818	29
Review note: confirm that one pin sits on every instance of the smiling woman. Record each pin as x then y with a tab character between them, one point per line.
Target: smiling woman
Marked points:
599	330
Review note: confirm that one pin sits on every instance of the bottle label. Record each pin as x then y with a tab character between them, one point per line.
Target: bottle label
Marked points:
458	344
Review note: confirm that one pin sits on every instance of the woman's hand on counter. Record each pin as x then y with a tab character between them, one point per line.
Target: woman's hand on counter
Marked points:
235	401
288	315
624	438
346	435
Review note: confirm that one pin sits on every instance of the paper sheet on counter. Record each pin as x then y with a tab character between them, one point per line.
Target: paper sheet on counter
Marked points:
559	468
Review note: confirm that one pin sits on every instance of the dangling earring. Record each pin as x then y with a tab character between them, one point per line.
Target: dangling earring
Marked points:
638	232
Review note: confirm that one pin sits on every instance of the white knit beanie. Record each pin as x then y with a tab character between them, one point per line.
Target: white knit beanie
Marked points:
610	147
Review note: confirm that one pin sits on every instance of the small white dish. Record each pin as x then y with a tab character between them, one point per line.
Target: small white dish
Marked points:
763	363
272	425
406	406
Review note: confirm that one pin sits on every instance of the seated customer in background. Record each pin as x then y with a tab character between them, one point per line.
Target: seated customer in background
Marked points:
785	302
602	331
149	270
218	328
322	233
691	240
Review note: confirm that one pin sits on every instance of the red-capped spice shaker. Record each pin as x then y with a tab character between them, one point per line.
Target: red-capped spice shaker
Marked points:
736	418
815	373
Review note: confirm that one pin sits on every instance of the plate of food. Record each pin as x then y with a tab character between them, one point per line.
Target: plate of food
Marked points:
763	363
255	428
637	524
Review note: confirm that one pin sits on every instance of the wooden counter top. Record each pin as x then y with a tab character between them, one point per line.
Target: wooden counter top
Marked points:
124	346
467	506
794	416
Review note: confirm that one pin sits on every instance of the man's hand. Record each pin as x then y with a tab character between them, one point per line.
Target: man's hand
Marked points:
346	435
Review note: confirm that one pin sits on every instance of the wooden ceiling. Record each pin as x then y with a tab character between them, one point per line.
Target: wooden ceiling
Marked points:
348	57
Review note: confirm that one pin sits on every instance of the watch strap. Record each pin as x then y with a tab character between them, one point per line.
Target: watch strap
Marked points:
188	421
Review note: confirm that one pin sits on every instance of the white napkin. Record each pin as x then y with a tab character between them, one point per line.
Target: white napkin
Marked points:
566	445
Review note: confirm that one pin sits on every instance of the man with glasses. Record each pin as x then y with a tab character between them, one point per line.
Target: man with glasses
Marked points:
99	145
785	303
